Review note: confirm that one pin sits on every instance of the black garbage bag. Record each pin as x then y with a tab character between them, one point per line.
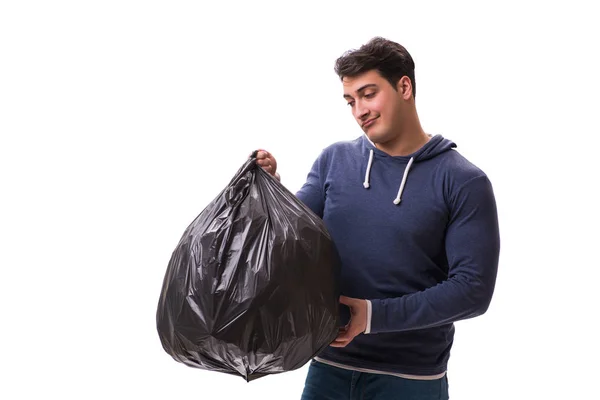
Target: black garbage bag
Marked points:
251	288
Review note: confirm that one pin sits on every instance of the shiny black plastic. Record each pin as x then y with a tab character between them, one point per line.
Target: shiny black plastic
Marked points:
251	288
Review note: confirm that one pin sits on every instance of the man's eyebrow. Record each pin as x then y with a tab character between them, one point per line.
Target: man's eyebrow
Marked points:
360	89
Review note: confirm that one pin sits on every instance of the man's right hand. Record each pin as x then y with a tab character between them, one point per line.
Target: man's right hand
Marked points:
266	160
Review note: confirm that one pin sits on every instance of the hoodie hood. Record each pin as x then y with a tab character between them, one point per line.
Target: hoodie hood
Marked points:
435	146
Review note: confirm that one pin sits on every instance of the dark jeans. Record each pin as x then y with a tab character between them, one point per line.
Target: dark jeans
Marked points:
326	382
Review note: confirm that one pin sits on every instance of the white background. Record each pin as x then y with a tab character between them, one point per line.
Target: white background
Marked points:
121	120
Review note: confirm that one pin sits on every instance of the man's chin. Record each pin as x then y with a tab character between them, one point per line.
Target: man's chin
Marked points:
374	137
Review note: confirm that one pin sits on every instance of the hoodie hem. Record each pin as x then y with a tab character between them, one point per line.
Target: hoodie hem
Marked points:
385	368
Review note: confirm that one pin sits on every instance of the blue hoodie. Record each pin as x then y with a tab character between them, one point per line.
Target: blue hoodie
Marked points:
418	237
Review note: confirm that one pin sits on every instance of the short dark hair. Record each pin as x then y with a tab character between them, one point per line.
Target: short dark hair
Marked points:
390	59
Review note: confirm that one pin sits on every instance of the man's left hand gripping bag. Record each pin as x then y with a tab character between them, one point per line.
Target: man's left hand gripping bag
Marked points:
252	287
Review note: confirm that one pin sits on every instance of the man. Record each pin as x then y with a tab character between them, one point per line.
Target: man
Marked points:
416	227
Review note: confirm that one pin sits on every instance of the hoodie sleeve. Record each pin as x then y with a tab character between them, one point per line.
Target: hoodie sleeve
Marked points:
472	249
312	193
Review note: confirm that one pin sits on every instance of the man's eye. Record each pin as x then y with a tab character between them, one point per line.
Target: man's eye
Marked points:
351	103
370	95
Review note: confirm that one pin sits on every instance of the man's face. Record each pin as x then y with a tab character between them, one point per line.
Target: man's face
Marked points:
375	104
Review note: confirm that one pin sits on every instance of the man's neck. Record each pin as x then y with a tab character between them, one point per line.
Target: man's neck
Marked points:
405	144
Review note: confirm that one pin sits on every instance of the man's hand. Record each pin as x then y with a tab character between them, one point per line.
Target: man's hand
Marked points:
357	324
266	160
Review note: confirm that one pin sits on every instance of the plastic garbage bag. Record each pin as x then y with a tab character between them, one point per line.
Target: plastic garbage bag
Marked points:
251	288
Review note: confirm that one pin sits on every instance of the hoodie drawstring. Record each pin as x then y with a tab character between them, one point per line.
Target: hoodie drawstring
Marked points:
366	183
399	197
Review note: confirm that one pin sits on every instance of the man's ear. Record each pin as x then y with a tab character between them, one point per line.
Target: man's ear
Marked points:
404	87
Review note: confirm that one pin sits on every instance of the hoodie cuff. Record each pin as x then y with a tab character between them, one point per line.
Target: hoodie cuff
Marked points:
369	313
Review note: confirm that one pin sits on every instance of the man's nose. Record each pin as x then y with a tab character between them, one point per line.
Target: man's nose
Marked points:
361	112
